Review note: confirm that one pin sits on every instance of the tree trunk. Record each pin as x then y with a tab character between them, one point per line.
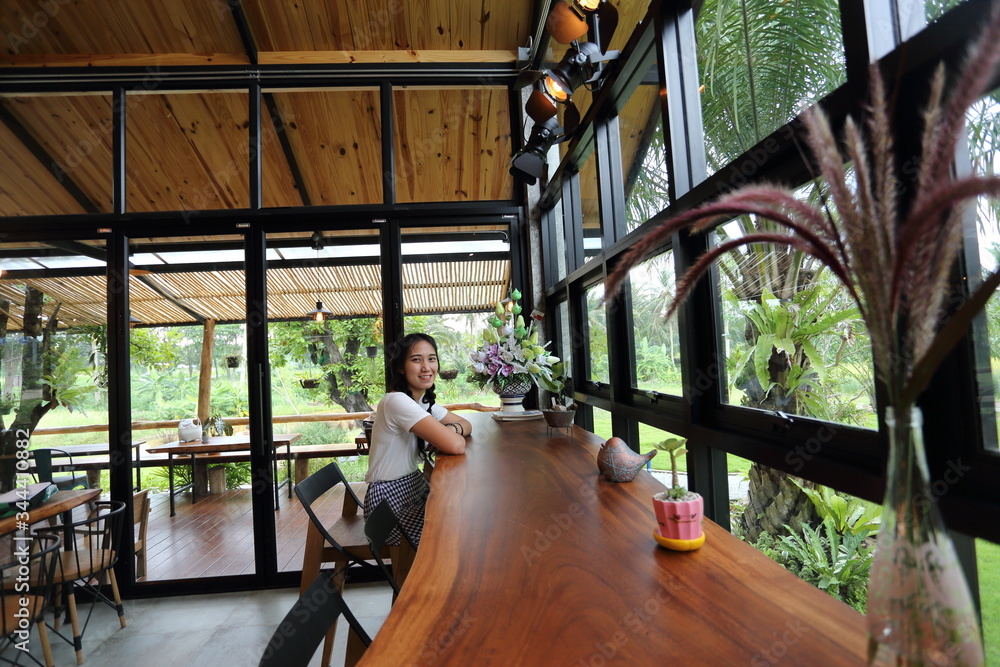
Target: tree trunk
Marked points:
36	400
343	390
774	501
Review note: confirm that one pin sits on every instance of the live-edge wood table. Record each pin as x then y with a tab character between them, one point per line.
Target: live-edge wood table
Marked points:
225	443
527	558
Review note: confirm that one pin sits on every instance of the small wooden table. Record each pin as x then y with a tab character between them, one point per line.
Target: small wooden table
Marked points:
527	557
61	502
224	443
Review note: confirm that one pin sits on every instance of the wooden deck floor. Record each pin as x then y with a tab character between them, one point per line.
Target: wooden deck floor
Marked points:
214	537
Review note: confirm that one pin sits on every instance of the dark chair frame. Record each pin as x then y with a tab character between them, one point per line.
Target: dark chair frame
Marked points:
89	563
45	468
314	486
307	623
41	561
381	521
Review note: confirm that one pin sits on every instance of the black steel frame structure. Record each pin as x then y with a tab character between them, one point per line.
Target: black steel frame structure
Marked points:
852	460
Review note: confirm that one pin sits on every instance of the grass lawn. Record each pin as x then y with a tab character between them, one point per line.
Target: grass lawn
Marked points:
988	555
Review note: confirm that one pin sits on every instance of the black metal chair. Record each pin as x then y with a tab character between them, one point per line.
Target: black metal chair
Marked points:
306	624
48	460
25	593
90	563
381	521
341	540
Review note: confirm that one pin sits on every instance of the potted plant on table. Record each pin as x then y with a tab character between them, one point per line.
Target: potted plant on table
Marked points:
896	260
510	359
679	512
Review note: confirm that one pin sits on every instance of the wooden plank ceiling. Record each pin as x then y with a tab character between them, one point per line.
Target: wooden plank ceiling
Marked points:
188	150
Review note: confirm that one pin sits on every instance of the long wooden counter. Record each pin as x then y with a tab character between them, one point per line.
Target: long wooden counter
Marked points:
527	558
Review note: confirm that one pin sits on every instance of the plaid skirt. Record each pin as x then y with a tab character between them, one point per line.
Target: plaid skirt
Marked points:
407	497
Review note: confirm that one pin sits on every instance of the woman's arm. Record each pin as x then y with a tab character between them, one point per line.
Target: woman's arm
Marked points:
464	425
441	436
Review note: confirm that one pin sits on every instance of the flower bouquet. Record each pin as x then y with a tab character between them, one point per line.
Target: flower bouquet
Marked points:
510	358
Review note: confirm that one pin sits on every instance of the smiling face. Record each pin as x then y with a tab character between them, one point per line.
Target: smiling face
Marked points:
420	368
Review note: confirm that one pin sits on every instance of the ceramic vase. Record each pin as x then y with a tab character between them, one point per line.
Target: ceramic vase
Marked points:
511	392
920	610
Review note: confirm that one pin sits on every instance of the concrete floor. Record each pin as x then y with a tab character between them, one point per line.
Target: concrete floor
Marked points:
230	629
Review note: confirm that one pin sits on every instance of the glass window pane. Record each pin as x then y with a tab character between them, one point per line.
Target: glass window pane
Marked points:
755	80
602	423
983	127
597	335
772	513
644	157
71	170
53	345
988	559
566	339
590	208
935	9
657	343
337	156
559	236
792	338
440	132
204	137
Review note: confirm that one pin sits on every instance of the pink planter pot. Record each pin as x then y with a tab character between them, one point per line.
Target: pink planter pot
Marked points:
679	520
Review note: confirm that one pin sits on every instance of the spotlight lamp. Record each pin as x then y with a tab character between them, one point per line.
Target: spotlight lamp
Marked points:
556	85
528	165
567	22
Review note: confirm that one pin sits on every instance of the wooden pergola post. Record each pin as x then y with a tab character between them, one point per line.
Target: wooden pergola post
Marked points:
205	375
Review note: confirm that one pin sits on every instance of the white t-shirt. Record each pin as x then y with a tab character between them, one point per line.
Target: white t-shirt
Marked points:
393	452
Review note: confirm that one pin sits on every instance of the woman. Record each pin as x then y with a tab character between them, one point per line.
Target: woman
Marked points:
406	421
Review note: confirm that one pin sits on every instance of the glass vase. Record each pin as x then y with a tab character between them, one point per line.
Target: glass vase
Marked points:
920	611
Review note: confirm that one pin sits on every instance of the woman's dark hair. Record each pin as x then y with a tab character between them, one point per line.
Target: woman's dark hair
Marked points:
398	353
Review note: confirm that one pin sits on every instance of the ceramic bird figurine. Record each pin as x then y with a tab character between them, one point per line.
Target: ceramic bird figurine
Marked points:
618	463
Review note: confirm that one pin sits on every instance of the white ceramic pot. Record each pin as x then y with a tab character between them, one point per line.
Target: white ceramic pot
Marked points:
189	429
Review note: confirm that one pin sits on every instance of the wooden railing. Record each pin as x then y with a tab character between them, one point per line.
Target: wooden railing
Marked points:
243	421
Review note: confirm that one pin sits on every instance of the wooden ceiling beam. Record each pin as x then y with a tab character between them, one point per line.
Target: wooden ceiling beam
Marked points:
46	160
396	56
121	59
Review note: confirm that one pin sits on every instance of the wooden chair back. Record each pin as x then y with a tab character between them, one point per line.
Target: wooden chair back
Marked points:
140	519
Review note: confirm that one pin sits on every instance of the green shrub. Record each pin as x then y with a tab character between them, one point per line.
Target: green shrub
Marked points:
835	563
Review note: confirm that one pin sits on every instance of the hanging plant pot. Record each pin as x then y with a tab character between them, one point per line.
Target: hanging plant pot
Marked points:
449	374
371	351
233	361
309	383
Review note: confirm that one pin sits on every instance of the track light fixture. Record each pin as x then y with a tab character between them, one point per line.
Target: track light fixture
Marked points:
556	85
529	164
566	23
